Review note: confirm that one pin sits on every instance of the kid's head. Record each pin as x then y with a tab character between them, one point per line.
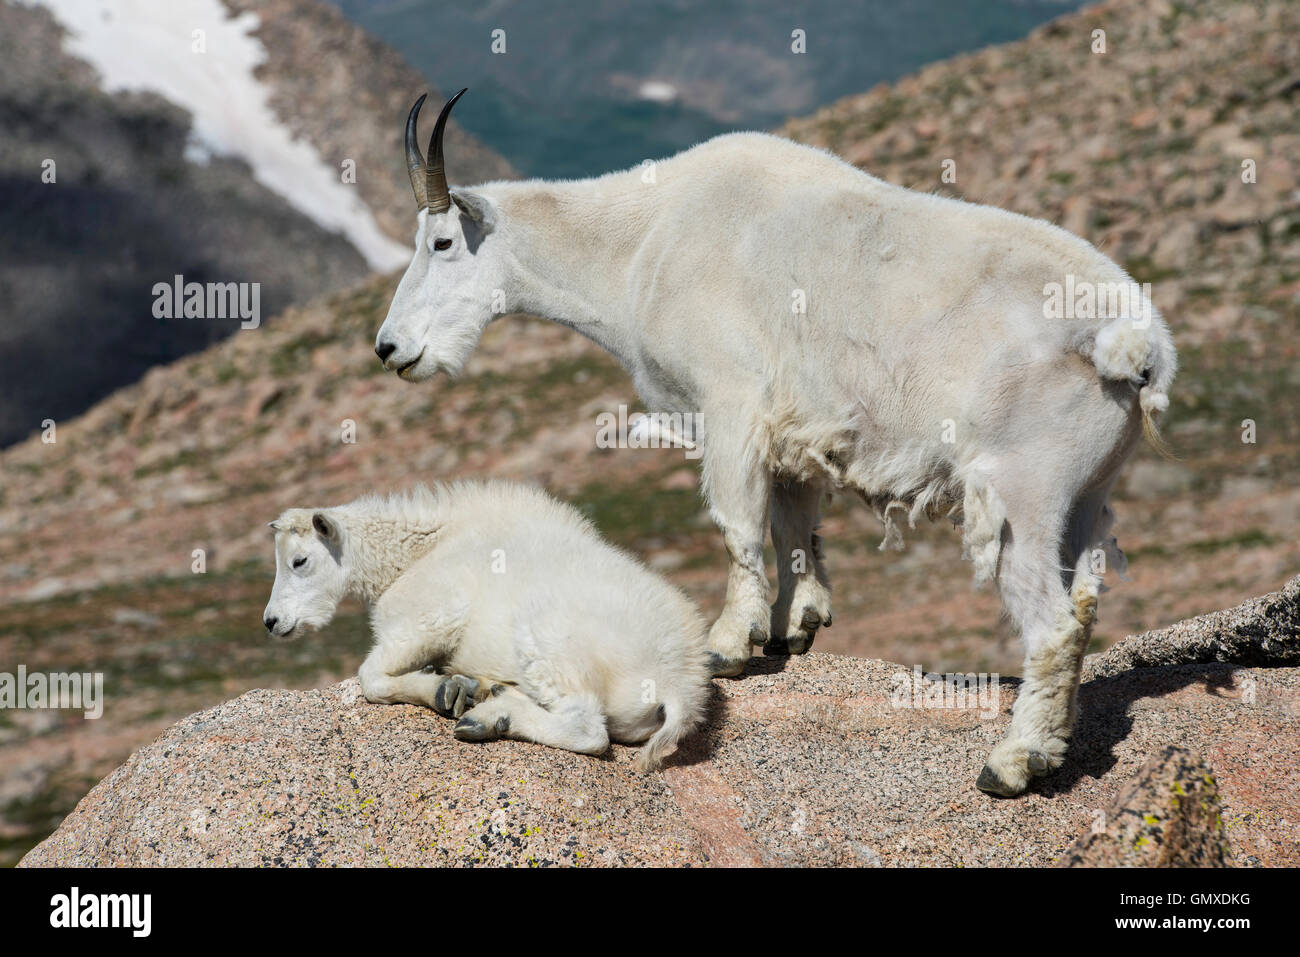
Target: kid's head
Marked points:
309	577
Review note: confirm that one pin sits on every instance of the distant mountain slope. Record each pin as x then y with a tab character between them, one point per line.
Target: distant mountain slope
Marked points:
142	192
206	446
585	87
1140	150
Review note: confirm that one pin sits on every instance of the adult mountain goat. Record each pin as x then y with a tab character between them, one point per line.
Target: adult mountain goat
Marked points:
495	604
832	331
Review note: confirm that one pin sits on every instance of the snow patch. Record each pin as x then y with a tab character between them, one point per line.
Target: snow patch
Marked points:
657	91
150	45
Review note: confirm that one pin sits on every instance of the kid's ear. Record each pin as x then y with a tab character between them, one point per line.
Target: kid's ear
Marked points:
326	528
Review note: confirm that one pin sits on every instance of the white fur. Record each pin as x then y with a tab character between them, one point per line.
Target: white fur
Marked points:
568	639
922	374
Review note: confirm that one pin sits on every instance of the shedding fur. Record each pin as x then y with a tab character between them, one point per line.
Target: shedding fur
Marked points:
500	606
984	516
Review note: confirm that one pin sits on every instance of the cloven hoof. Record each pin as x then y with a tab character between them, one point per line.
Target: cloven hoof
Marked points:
721	667
472	729
990	783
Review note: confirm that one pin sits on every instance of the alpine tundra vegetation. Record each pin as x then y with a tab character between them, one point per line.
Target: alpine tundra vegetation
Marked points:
832	331
497	605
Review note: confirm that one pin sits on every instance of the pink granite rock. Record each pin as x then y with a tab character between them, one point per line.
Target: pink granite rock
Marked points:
816	760
1168	816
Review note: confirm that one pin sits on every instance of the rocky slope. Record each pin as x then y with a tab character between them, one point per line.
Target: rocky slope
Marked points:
1139	150
1187	760
98	530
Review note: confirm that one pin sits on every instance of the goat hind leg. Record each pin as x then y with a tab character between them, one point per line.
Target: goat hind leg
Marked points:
573	722
804	587
1056	637
1041	727
1056	627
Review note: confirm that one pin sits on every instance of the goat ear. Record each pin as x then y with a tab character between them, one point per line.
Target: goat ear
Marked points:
326	528
478	209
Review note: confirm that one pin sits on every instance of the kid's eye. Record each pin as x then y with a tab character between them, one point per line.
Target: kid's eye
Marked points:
299	562
441	244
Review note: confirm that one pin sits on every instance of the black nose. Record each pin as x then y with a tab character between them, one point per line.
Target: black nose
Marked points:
384	350
270	623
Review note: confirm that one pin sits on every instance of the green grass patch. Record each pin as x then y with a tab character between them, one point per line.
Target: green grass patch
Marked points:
631	514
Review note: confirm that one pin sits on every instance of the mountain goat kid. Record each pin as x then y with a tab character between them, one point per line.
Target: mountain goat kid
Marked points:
496	604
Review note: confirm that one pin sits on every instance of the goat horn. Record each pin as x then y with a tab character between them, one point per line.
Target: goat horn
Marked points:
414	161
437	198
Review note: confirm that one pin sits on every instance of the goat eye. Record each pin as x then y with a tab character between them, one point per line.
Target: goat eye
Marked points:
299	562
441	244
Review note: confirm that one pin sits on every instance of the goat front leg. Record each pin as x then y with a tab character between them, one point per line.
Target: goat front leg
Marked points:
737	489
392	675
804	593
403	665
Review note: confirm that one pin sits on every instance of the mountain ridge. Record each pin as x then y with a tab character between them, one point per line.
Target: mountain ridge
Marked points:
133	204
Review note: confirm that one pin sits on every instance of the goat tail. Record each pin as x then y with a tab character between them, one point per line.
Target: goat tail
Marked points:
1152	404
1153	394
1141	353
678	722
